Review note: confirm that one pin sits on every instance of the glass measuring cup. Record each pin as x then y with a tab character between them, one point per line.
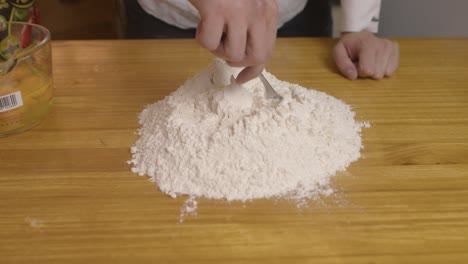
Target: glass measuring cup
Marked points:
25	76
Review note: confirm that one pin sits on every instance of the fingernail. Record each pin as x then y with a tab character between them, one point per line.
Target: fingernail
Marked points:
351	73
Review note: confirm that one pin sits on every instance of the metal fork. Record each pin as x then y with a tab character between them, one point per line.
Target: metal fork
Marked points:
270	92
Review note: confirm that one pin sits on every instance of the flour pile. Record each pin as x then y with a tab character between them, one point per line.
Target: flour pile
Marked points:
212	138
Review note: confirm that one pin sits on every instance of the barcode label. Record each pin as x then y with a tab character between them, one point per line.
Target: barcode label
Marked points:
10	102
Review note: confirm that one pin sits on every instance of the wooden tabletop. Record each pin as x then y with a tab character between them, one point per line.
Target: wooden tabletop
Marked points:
67	194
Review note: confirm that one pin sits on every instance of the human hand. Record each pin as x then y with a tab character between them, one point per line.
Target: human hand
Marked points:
243	32
361	54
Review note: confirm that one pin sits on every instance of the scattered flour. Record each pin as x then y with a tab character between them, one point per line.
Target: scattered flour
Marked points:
34	222
215	139
189	208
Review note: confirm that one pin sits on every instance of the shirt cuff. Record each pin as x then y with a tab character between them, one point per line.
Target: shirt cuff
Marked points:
360	15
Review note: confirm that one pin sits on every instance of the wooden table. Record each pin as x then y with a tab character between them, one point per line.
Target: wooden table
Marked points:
67	194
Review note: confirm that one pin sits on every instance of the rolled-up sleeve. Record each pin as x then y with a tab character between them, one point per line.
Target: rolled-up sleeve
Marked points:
360	15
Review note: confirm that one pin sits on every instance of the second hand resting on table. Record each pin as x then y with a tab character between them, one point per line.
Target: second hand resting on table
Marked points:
243	32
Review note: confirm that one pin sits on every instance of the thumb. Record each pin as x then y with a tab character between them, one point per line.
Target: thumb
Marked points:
249	73
343	61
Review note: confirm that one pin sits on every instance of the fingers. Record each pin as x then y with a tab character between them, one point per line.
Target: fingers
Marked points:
373	57
386	60
384	55
249	73
394	60
344	62
258	50
210	32
236	42
233	46
381	61
249	30
366	65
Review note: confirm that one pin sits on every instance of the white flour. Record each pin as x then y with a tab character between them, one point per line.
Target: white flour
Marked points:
214	139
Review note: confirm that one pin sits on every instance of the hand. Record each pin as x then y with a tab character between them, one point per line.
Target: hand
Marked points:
243	32
361	54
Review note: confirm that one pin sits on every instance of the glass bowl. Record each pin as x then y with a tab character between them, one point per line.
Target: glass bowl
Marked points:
26	90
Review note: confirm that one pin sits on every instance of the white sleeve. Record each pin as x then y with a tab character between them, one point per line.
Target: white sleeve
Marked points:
360	15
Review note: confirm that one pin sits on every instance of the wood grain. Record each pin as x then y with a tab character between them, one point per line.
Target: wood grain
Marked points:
67	196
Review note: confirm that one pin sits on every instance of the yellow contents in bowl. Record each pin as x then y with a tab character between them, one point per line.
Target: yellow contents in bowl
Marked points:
25	98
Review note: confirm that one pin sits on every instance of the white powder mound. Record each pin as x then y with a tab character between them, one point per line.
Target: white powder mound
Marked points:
212	138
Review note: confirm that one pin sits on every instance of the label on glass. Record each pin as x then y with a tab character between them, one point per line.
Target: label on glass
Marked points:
10	101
